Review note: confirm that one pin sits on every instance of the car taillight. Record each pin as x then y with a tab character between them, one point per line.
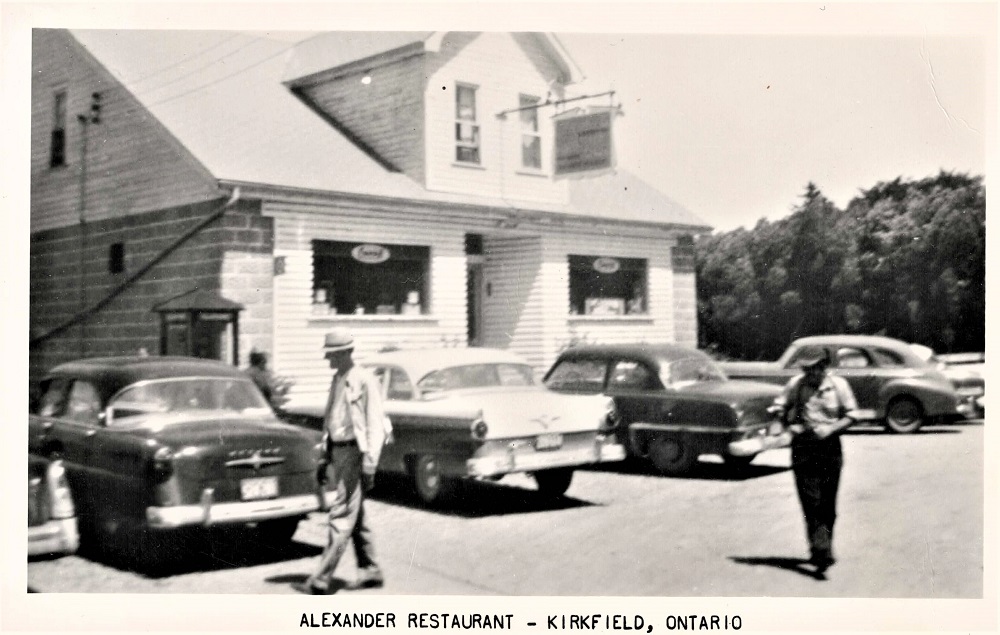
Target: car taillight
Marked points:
479	428
163	463
610	420
62	498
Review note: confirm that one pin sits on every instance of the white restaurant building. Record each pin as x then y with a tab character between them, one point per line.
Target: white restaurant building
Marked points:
378	190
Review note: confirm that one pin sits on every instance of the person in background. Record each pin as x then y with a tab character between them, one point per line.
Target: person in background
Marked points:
816	407
260	375
354	431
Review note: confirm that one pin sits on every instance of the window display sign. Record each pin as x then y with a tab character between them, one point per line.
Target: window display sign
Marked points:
370	254
583	143
606	265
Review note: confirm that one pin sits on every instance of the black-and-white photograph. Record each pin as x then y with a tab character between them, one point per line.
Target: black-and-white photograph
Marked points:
658	304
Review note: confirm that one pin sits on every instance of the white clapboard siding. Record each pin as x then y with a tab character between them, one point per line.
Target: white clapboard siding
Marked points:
502	70
298	334
513	306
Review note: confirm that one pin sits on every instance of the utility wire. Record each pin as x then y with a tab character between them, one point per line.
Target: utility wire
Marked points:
190	58
220	79
197	69
86	313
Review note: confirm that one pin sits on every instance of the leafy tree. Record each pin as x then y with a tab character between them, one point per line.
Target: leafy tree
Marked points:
905	259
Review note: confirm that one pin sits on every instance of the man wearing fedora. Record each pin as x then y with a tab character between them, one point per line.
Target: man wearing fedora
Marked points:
816	406
354	431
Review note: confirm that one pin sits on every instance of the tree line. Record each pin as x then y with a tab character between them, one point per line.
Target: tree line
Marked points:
906	259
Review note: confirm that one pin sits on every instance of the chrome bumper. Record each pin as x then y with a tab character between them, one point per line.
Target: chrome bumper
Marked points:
514	461
208	513
970	405
55	536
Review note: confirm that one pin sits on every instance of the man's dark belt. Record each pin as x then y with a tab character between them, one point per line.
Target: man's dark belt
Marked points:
343	444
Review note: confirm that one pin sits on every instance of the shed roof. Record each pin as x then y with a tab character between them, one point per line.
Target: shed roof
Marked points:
220	94
198	300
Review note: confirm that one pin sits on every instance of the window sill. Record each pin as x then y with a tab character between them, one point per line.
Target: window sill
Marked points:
370	317
644	318
530	172
468	166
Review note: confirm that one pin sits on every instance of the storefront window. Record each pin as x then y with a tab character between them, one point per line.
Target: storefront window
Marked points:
600	285
366	278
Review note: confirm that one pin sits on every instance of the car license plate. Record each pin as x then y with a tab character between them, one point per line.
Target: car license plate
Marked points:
258	488
550	441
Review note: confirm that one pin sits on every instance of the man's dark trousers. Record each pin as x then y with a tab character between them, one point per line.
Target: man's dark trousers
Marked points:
817	465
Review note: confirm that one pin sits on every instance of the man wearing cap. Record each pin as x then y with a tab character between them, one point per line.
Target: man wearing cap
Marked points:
816	406
354	432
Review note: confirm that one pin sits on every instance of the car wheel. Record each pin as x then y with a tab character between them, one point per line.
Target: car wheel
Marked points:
904	415
278	531
672	454
554	482
431	486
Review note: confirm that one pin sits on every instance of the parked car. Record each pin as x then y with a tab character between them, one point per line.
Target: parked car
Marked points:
52	525
153	444
966	372
893	385
674	403
479	413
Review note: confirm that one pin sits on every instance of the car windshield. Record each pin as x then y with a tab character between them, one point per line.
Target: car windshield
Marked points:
690	370
221	395
476	376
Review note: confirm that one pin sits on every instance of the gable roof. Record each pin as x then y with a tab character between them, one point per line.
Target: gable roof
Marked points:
221	95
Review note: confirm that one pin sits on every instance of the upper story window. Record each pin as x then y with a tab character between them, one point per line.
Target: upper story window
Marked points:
531	140
57	147
466	128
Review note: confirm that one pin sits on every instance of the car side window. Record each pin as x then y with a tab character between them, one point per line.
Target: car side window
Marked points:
84	405
627	374
887	358
578	374
53	402
515	375
399	386
850	357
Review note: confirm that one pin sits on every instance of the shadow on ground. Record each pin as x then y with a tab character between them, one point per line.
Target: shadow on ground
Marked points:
795	565
474	499
705	470
197	550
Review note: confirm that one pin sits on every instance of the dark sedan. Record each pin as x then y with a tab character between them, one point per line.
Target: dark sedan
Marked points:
152	444
674	402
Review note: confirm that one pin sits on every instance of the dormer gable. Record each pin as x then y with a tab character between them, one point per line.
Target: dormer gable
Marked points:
395	96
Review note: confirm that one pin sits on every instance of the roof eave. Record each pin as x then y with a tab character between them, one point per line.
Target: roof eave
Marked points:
455	209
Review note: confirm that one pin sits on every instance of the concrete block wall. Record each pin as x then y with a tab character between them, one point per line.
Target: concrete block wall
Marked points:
247	277
128	323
